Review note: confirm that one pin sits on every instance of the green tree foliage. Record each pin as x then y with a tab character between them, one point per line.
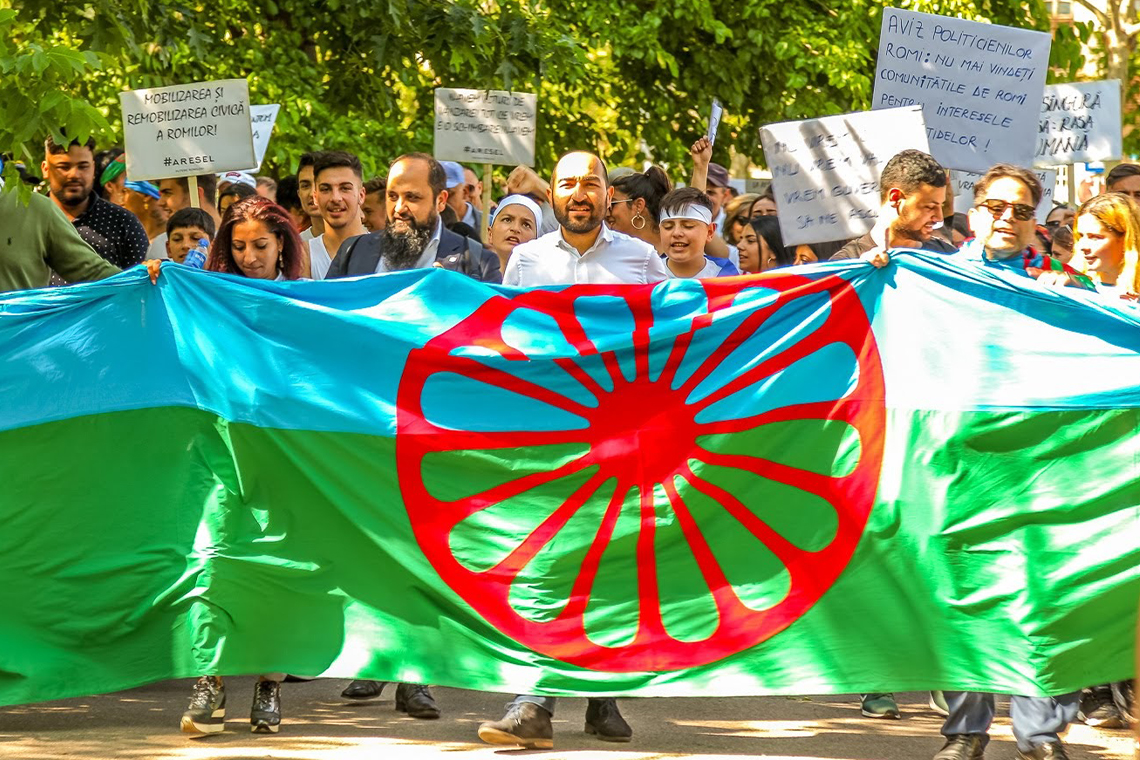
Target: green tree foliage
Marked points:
632	80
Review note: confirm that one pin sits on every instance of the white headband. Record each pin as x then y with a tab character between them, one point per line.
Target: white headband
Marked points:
518	200
693	211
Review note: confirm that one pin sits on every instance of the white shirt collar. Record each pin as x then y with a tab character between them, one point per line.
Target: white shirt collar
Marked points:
604	238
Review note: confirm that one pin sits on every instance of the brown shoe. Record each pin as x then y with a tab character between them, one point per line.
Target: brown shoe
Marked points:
525	725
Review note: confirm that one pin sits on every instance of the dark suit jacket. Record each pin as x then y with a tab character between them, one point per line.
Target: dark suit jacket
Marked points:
359	256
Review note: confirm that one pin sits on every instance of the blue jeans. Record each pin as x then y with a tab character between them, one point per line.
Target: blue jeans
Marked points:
1036	720
546	703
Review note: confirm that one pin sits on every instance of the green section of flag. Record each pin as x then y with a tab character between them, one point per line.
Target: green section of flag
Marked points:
1002	554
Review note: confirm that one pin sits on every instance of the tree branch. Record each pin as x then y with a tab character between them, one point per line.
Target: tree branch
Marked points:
1097	13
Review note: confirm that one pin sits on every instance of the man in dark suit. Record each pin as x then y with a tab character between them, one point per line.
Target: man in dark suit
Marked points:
415	237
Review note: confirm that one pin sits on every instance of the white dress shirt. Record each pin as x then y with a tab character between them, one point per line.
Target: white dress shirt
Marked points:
426	259
613	259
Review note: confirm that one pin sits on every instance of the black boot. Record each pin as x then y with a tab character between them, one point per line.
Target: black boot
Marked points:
415	700
603	719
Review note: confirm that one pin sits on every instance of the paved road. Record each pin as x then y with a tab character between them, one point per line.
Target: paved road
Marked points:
141	724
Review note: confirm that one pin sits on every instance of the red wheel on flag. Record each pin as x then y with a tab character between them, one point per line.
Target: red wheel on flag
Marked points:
666	485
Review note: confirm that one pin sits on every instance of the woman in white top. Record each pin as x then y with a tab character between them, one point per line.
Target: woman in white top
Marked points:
1106	244
257	239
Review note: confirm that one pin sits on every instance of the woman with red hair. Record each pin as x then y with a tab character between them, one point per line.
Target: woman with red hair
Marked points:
257	239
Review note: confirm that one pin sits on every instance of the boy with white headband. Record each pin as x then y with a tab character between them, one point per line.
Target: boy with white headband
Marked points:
686	226
515	221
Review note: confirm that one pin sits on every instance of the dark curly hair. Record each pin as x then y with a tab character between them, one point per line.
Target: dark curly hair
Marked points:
292	261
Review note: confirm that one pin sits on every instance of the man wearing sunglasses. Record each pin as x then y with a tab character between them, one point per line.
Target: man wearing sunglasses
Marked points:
1004	221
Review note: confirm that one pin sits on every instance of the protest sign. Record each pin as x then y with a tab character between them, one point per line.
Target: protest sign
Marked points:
1080	121
485	126
980	85
963	183
714	120
825	172
187	129
261	121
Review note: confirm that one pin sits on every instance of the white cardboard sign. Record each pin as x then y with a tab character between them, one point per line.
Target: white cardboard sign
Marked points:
825	172
714	121
964	191
980	85
200	128
1080	122
261	121
485	126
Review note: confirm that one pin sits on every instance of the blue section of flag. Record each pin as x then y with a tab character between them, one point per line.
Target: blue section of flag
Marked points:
329	355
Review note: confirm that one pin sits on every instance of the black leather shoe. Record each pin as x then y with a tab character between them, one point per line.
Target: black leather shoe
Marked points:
363	691
603	720
963	747
415	700
1050	751
525	725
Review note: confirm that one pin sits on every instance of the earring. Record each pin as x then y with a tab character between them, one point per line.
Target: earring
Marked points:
635	221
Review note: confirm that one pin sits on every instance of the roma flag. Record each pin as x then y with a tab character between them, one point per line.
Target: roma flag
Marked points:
829	479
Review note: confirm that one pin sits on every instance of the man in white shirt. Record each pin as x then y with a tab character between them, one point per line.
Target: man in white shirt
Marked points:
583	249
338	192
305	192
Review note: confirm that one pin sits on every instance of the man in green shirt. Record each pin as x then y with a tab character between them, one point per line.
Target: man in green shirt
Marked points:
36	239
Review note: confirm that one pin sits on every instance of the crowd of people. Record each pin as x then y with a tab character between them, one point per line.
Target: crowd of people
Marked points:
586	224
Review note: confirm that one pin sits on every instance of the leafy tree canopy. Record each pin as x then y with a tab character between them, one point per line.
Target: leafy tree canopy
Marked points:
630	79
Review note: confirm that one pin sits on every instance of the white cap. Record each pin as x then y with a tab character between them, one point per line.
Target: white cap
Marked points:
238	178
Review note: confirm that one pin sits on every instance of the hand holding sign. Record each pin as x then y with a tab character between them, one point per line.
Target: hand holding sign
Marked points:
714	121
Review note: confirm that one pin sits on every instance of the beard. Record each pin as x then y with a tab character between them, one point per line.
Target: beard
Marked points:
74	194
562	214
402	249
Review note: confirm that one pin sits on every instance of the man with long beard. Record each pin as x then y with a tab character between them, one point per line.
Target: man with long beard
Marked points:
415	237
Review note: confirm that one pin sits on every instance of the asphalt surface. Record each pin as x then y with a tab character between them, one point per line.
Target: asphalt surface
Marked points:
142	724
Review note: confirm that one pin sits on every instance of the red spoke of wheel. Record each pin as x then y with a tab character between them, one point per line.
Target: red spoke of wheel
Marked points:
749	326
587	381
584	583
575	334
650	625
520	557
788	553
814	410
469	505
728	604
641	307
419	429
823	486
509	382
765	369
